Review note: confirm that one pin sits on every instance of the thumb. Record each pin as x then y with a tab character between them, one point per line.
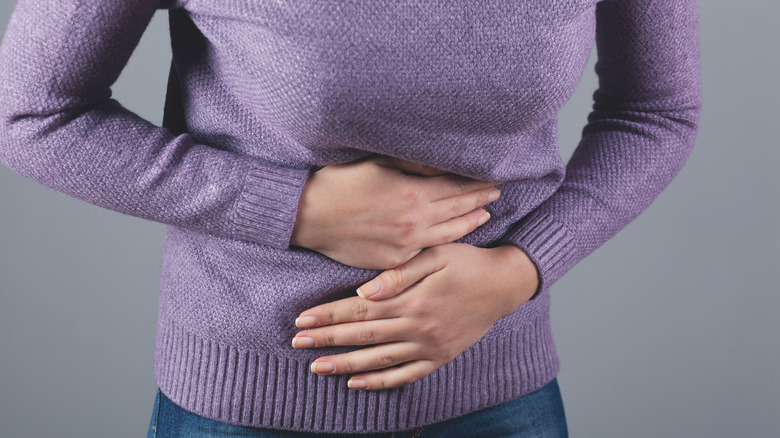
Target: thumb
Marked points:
394	281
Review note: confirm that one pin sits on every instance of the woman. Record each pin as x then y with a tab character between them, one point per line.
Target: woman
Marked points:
325	169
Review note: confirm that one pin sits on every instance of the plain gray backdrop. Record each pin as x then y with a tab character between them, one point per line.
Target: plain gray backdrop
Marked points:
670	329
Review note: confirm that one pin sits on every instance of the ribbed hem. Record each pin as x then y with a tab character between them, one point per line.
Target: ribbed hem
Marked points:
250	388
266	211
547	242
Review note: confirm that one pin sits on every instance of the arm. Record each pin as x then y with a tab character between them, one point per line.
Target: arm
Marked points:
639	134
424	313
60	127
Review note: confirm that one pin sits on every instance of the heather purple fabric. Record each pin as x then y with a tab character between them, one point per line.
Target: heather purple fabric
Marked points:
264	92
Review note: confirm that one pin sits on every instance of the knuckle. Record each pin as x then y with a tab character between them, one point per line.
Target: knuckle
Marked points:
348	367
410	222
403	243
399	244
460	184
414	308
385	360
359	309
328	339
329	316
456	209
397	275
418	307
367	337
429	329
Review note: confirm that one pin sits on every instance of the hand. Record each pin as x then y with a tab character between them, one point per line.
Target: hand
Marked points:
423	314
378	213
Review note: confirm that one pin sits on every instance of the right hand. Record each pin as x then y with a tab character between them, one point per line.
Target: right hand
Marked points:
379	212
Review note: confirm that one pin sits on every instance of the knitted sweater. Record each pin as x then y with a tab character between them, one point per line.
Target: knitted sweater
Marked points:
262	93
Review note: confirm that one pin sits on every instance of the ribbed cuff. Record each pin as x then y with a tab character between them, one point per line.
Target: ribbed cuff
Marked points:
547	242
266	210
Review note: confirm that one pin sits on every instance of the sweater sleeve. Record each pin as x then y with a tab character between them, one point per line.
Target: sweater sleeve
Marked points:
59	126
638	136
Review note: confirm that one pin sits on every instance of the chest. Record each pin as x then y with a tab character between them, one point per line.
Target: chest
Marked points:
495	65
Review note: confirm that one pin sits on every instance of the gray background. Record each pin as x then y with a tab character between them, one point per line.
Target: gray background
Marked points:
668	330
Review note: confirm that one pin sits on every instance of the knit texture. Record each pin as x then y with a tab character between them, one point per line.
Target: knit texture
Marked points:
262	93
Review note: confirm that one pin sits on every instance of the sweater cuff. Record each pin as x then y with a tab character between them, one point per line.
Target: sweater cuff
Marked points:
268	204
547	242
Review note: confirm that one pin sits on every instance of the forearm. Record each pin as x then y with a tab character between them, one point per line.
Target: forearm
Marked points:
60	127
639	135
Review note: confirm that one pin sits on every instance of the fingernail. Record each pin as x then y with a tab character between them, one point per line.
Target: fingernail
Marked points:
306	321
302	342
322	368
494	194
370	288
484	218
357	384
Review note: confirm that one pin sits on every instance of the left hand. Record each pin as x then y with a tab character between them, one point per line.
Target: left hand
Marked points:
423	314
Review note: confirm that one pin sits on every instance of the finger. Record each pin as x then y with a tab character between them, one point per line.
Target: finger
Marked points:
455	228
457	206
367	359
394	377
394	281
346	310
352	333
447	186
409	167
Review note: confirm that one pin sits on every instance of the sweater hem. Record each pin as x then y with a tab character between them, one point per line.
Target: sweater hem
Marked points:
259	389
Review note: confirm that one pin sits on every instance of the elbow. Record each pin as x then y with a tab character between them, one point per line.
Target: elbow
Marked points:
13	138
683	109
661	131
660	117
18	130
26	145
682	116
18	134
30	124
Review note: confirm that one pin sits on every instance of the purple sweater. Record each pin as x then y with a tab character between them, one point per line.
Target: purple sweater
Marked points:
264	92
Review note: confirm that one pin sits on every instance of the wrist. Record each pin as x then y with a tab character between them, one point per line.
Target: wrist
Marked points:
299	236
522	268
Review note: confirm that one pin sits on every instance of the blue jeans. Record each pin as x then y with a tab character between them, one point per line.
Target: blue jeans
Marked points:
539	414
